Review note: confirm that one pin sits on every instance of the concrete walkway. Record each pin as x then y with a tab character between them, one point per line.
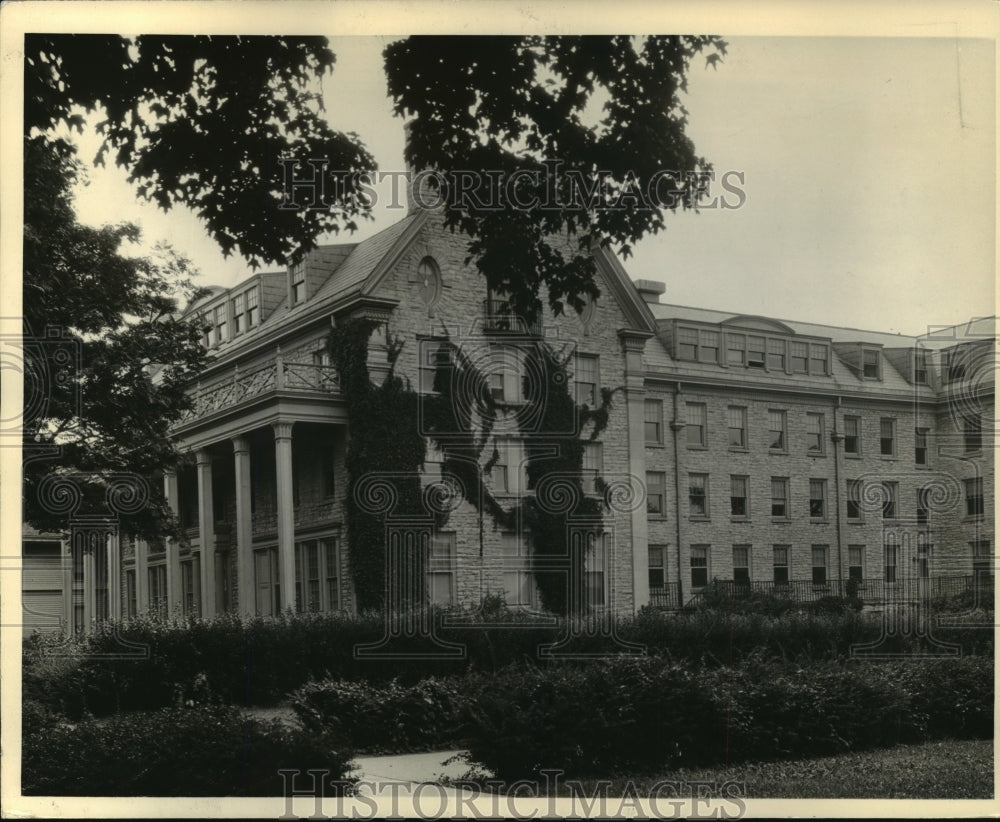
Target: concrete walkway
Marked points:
412	767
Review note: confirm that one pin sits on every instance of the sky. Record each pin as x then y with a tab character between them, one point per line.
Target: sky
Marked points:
868	166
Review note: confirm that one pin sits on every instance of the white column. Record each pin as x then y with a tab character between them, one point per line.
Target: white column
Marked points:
141	576
113	557
172	495
206	533
286	512
244	527
88	587
67	558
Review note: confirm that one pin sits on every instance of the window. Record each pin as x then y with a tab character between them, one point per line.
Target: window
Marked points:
239	308
191	586
655	493
755	352
776	355
594	565
307	577
504	379
500	472
741	564
972	431
738	502
441	569
856	562
870	363
780	564
923	513
982	559
518	581
956	365
854	491
253	310
920	366
699	566
298	284
657	566
654	422
799	357
974	497
157	577
130	595
819	555
586	380
779	497
433	355
890	492
697	424
267	582
817	498
737	427
852	436
593	465
736	349
709	347
920	446
814	433
887	437
687	344
698	495
890	550
817	359
776	430
220	324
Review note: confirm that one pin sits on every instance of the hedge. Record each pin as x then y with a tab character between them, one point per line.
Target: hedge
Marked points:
145	664
390	718
628	716
203	750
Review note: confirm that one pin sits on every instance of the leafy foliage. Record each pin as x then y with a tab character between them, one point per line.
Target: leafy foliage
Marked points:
642	715
515	103
100	411
202	750
390	718
201	121
386	439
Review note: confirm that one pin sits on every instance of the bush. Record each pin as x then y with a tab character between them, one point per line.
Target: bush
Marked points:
623	716
194	751
148	664
384	719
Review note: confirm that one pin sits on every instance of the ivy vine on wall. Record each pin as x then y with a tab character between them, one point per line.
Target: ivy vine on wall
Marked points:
459	418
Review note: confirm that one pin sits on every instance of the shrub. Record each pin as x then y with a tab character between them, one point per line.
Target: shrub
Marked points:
147	664
623	716
194	751
390	718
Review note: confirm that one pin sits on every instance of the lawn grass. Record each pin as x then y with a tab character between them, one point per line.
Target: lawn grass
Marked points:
952	769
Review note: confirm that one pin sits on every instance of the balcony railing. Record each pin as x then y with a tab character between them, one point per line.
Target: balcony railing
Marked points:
242	385
500	318
667	595
869	591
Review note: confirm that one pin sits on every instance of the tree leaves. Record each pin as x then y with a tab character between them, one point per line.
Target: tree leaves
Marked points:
508	104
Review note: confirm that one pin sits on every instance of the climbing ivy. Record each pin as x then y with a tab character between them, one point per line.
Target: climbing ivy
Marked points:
390	428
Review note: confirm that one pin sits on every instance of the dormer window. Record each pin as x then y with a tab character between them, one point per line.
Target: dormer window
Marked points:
245	311
818	358
221	333
870	363
298	284
755	352
920	366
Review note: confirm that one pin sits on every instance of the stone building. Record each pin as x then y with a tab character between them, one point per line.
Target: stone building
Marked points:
773	455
